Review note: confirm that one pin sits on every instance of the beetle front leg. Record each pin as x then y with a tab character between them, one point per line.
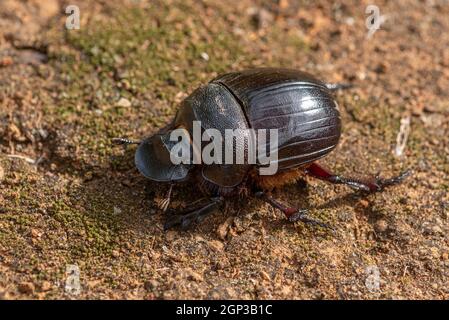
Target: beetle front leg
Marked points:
196	205
193	214
368	184
164	203
292	214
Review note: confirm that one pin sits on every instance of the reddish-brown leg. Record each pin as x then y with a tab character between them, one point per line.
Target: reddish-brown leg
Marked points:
292	214
368	183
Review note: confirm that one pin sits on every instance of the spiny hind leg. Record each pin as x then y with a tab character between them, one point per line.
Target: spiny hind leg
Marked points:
370	183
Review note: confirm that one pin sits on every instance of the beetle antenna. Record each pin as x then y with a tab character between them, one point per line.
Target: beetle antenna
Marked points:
338	86
120	141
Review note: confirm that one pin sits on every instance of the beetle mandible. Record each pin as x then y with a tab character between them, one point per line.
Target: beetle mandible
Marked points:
299	106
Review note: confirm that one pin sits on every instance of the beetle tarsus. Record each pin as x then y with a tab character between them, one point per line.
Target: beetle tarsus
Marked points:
196	215
124	141
291	213
163	205
367	184
382	183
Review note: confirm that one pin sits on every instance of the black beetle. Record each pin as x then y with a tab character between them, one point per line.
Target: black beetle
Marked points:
299	106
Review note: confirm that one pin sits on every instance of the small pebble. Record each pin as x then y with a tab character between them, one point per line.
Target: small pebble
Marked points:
6	61
194	276
88	176
364	203
170	235
205	56
437	230
265	275
286	291
223	228
350	21
43	133
216	245
124	103
150	285
46	286
381	225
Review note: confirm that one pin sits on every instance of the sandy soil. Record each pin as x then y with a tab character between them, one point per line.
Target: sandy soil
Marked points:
70	201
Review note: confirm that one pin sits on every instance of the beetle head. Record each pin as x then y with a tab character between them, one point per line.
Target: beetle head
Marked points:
153	160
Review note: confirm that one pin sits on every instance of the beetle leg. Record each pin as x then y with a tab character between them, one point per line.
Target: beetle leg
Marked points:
368	184
196	215
291	213
164	203
196	205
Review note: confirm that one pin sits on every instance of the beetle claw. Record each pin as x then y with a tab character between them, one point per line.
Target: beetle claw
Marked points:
163	204
382	183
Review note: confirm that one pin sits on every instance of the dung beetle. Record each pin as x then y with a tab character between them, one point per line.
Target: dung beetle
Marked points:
299	107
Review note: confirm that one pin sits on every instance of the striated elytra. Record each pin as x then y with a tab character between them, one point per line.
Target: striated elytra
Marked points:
299	107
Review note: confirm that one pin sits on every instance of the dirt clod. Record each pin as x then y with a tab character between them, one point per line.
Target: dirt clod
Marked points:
194	276
216	245
124	103
223	229
46	286
6	61
151	285
26	288
381	226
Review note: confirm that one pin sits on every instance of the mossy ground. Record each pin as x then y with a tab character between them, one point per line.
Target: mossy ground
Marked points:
125	72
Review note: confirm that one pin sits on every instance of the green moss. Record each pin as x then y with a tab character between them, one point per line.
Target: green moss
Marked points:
91	222
134	54
142	54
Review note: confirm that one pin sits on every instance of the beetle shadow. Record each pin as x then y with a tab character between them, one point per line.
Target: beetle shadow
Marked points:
59	155
127	200
103	202
60	159
351	199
